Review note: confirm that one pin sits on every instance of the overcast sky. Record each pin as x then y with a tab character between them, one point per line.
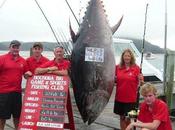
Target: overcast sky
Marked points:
22	19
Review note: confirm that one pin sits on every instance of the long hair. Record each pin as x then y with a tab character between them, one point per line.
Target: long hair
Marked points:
132	62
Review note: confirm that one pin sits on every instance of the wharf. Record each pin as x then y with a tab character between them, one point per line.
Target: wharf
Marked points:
106	121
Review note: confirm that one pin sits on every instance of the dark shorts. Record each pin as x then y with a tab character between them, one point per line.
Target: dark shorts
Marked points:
10	104
122	109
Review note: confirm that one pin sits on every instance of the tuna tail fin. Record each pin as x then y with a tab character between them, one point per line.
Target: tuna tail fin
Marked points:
114	29
73	36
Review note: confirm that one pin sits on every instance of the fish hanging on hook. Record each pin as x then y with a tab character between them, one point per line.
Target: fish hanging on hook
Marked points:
92	62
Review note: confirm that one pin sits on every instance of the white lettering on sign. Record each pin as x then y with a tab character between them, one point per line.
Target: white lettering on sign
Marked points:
58	83
37	81
34	92
44	105
59	78
33	98
31	104
30	110
43	77
27	123
52	125
57	87
40	87
25	129
28	117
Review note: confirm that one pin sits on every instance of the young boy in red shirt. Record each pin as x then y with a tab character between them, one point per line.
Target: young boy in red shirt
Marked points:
154	114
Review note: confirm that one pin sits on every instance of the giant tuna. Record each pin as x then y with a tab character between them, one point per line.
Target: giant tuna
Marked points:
92	62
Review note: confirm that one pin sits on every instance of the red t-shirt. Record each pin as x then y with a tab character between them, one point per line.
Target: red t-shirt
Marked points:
11	72
33	63
127	83
62	65
159	112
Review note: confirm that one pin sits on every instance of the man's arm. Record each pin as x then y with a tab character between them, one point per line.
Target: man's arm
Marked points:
45	70
153	125
27	74
60	72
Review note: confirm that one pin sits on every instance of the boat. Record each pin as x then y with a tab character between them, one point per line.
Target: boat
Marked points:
149	56
150	72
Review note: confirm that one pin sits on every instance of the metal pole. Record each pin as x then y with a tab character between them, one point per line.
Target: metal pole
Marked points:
72	12
143	42
62	43
2	4
143	46
65	39
165	50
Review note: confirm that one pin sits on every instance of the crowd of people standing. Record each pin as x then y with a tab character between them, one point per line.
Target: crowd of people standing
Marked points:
13	67
154	113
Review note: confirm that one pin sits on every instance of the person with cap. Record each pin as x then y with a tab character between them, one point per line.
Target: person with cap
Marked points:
12	68
37	58
58	66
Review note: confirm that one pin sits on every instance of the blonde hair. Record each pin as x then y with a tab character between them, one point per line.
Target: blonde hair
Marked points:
122	63
148	87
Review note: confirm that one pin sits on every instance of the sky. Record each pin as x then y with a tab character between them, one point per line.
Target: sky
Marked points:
22	19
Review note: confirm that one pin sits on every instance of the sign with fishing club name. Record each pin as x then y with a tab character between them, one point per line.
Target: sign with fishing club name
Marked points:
44	103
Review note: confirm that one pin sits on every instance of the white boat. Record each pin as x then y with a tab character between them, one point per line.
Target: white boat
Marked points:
149	71
149	56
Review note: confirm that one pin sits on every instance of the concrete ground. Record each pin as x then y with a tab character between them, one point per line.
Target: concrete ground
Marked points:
106	121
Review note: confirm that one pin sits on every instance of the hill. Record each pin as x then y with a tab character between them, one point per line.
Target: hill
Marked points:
48	46
148	47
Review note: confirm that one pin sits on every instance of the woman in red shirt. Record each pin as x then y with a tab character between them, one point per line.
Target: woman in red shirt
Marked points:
128	78
154	113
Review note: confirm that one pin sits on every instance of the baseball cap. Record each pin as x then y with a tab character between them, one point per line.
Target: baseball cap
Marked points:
38	44
15	43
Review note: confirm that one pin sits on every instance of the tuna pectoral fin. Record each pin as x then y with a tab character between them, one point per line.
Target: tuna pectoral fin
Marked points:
114	29
73	36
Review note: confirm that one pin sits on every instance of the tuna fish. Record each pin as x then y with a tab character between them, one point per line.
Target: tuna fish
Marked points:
92	62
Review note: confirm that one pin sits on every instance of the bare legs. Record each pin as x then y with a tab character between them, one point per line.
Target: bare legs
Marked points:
124	122
2	124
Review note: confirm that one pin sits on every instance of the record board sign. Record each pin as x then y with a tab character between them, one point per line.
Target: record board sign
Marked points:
44	103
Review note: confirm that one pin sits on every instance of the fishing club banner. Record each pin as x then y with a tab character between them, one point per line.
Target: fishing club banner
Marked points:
44	103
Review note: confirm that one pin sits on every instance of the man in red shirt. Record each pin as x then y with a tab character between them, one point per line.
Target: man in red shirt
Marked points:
154	113
58	66
37	58
12	68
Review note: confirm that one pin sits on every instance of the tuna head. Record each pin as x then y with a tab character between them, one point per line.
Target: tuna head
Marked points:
93	63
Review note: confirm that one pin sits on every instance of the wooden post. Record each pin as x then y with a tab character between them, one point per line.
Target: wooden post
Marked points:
169	78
